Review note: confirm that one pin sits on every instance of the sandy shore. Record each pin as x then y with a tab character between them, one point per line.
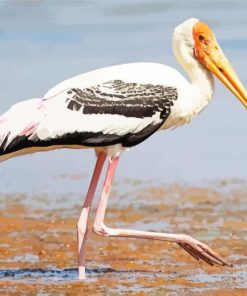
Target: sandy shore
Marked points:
38	243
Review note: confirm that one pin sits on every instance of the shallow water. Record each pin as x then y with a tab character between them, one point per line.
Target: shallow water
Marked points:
43	43
38	243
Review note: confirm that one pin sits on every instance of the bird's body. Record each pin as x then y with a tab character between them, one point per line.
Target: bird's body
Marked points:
117	107
113	108
190	96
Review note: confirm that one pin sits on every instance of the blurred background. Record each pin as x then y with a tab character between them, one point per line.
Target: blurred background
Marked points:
45	42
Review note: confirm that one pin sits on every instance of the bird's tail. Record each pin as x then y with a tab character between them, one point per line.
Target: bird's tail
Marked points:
15	126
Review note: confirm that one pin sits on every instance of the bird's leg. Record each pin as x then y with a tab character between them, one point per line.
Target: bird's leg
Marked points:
82	224
194	247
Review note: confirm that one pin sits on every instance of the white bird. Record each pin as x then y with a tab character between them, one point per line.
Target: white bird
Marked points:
114	108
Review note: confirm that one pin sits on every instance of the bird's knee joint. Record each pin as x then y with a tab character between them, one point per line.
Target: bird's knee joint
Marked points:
100	229
82	230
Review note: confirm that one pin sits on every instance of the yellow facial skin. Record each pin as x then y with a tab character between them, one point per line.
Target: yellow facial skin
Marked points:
209	53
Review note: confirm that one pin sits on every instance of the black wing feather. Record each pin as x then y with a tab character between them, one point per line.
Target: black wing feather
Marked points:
131	100
127	99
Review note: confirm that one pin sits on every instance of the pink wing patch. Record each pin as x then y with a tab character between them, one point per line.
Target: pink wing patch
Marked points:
2	120
29	129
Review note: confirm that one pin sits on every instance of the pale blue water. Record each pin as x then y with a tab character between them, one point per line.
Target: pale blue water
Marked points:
45	42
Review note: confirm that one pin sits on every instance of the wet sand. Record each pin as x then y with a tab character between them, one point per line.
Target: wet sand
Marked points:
38	242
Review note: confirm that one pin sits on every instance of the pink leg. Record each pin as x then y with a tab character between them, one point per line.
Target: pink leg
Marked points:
194	247
82	224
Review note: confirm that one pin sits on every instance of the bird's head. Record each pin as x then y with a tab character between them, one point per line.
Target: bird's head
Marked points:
202	45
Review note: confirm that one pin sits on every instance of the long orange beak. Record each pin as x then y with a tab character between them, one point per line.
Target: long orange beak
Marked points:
209	53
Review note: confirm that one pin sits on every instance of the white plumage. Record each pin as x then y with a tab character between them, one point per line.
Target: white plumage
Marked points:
152	73
54	113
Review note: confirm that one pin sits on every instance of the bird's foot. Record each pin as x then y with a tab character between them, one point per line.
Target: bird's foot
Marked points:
82	273
201	251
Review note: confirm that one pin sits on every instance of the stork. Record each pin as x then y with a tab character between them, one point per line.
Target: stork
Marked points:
115	108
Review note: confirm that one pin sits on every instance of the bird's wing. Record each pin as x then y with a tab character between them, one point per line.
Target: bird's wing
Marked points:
114	112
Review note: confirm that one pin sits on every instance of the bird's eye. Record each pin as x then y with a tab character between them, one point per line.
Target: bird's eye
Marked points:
201	37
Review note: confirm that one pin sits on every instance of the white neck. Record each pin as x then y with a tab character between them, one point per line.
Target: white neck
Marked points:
200	77
195	95
199	91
